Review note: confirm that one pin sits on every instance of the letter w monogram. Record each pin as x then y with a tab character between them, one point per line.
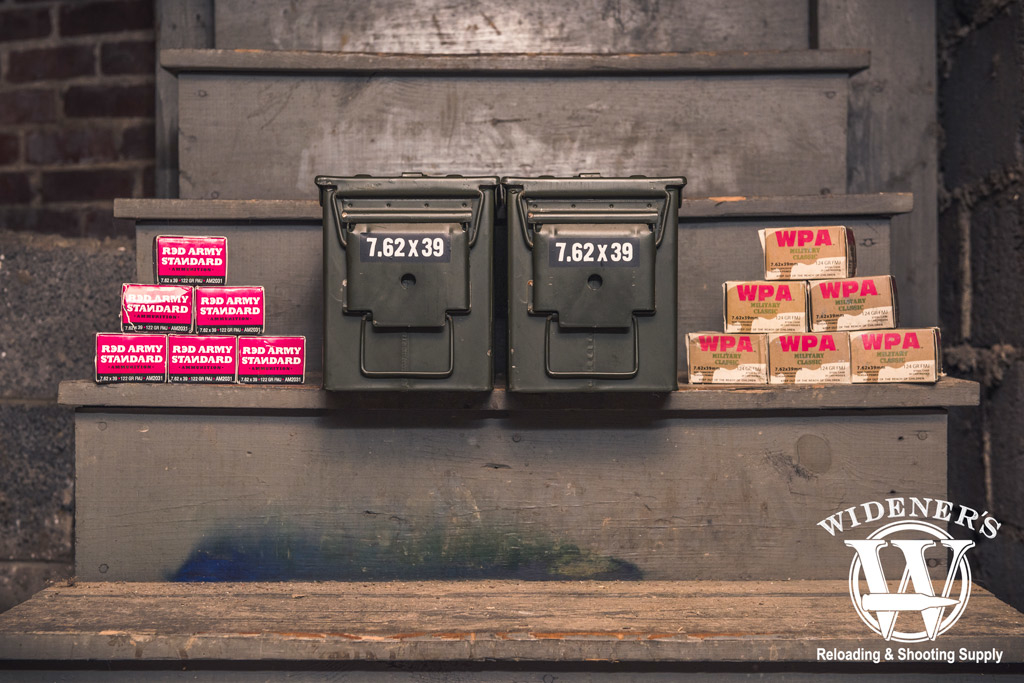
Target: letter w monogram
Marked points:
888	605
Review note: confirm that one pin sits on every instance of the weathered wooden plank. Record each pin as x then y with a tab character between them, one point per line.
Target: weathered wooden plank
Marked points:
893	134
261	210
493	26
494	672
179	24
283	256
879	204
525	495
713	621
639	63
730	134
714	251
946	392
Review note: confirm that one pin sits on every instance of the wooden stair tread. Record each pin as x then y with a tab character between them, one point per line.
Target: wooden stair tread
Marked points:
948	391
678	63
879	204
740	621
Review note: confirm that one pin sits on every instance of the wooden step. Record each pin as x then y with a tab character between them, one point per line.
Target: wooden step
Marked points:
690	398
729	121
785	625
293	483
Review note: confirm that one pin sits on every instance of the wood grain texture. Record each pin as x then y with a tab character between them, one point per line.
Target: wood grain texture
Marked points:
258	210
893	134
713	621
948	391
774	134
436	493
482	26
877	204
179	24
638	63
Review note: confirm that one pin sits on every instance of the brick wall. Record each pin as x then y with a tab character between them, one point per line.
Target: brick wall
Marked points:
981	228
76	112
76	131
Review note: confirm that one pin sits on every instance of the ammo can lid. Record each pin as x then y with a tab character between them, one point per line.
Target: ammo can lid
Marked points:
412	184
593	184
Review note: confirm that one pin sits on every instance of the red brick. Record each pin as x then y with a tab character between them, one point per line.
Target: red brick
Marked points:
139	142
83	185
77	145
15	188
80	19
24	24
28	106
110	101
51	63
10	148
128	57
41	220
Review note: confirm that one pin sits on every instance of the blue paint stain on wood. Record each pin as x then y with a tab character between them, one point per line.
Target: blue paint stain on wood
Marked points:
276	555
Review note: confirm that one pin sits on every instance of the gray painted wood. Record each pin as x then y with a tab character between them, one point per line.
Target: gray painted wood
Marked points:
876	204
714	251
179	24
262	210
284	257
635	63
514	672
893	134
948	391
728	135
740	622
436	493
540	672
879	204
436	26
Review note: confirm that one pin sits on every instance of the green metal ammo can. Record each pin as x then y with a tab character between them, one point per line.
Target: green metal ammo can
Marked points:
592	283
407	282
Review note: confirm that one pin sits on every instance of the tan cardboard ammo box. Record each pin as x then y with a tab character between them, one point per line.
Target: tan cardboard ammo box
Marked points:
859	303
717	358
906	355
762	306
826	251
809	358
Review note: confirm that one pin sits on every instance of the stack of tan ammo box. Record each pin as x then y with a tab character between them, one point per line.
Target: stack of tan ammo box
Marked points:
811	321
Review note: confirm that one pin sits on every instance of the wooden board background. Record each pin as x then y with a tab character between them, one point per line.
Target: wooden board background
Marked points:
494	26
179	24
455	494
728	134
894	133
